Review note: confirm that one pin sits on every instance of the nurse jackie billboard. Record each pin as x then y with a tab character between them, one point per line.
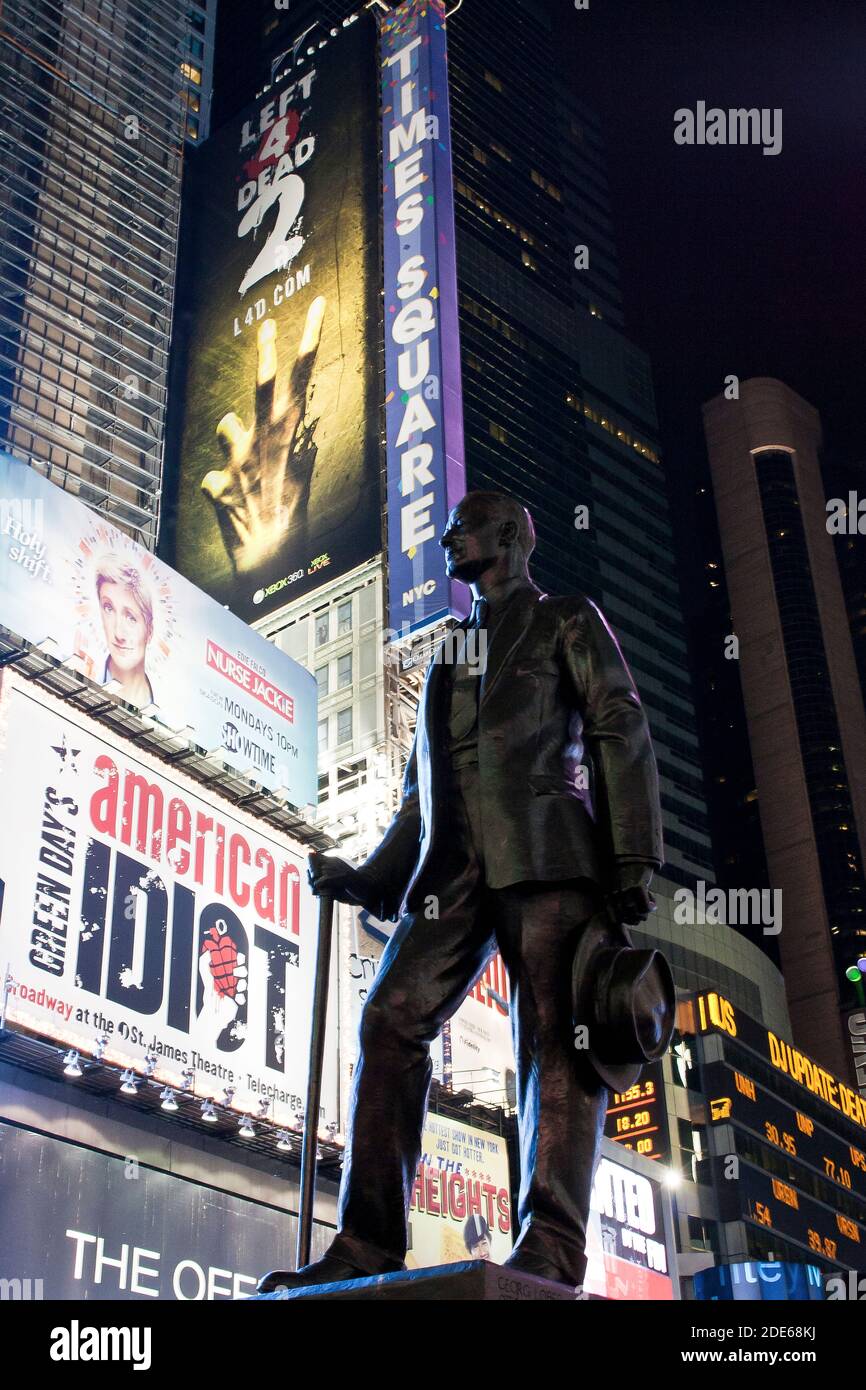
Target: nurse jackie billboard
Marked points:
423	402
137	910
130	623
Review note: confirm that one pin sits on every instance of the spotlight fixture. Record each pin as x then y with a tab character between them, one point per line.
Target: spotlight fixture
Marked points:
127	1083
228	1095
71	1064
167	1098
245	1129
186	1079
263	1108
283	1141
208	1112
99	1048
149	1063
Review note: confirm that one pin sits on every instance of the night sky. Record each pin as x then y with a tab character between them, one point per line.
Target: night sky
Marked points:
733	261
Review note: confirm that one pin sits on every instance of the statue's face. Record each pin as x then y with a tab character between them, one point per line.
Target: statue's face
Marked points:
471	540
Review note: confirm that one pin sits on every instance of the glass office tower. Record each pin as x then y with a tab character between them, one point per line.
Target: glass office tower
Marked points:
94	106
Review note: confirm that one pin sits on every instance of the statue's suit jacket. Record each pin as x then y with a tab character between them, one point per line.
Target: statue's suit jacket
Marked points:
556	688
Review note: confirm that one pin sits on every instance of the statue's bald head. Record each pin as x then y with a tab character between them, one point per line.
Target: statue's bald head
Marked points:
488	534
498	506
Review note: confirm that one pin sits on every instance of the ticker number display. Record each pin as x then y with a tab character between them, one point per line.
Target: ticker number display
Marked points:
733	1096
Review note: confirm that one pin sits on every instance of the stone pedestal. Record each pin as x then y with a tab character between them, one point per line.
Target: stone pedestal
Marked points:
475	1281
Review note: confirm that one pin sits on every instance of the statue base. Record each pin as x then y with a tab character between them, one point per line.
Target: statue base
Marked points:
475	1281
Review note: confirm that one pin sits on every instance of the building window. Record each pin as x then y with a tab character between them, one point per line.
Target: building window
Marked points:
191	73
323	628
344	671
479	155
500	150
550	188
498	433
528	261
322	680
344	726
344	618
498	217
323	735
493	81
351	776
192	128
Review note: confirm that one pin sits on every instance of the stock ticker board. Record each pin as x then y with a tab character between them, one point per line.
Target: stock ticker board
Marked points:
636	1117
795	1176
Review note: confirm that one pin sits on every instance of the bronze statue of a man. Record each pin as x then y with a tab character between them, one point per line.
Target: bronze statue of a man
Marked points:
519	846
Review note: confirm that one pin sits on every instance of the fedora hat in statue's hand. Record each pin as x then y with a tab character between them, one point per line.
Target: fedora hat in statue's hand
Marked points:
625	998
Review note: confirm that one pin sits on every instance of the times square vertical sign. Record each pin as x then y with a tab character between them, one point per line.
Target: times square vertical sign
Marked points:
423	401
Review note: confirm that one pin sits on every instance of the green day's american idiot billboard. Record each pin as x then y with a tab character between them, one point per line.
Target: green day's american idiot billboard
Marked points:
276	488
423	401
139	909
130	623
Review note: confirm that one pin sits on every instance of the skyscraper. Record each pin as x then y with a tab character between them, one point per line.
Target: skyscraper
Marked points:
558	402
803	702
93	114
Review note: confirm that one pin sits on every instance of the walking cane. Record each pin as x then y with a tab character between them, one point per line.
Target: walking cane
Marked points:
309	1149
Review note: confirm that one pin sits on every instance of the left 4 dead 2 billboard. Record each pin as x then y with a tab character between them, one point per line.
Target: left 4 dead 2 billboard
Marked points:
276	487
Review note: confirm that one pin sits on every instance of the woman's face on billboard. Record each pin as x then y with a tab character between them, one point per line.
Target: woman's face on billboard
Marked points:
125	626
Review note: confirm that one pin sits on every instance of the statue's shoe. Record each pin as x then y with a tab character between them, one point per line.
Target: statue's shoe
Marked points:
528	1263
330	1269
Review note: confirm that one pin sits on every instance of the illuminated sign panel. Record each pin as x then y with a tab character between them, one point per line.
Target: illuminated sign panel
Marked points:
752	1281
126	621
92	1234
423	405
776	1205
460	1206
138	909
277	483
713	1013
628	1257
636	1117
734	1097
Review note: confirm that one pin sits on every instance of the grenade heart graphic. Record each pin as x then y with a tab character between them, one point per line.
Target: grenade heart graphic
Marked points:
223	959
222	988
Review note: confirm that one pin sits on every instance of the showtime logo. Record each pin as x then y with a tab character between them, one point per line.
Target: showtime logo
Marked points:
249	680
